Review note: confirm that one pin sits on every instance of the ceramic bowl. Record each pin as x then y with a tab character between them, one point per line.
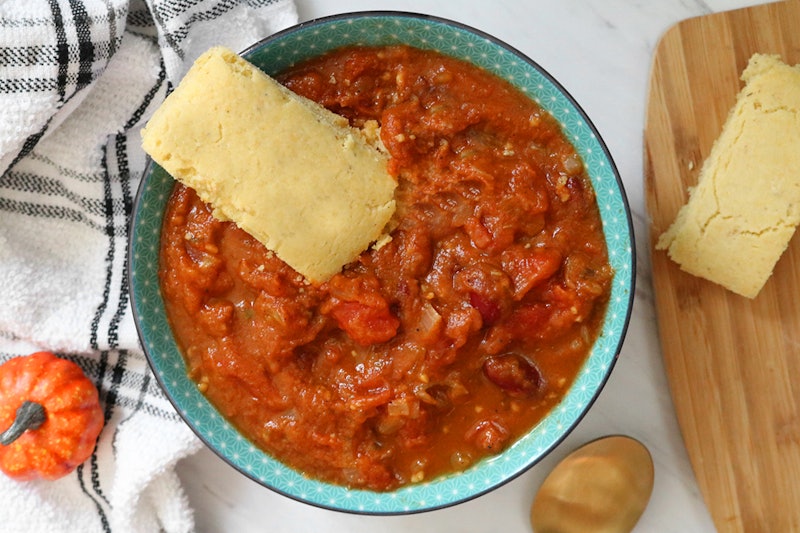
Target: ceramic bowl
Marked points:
303	41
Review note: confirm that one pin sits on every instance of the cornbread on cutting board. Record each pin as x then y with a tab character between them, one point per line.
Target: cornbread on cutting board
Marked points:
294	175
744	210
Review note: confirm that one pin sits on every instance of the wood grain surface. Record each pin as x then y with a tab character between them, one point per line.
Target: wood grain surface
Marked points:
733	364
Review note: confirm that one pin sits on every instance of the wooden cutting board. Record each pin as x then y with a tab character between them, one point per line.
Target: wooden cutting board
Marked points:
733	364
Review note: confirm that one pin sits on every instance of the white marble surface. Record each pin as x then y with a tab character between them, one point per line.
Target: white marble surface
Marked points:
601	51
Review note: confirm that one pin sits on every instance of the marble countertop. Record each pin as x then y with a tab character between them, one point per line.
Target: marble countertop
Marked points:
600	51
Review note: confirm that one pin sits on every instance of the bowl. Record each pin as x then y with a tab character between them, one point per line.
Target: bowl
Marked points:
303	41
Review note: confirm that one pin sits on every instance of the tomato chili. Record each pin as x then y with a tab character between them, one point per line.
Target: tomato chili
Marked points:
442	346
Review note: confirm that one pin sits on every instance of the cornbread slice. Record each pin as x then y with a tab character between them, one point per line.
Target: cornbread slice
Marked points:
744	210
292	174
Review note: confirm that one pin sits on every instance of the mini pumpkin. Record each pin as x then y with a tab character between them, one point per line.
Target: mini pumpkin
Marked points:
50	416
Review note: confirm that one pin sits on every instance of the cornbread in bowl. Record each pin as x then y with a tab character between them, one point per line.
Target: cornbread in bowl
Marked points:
468	389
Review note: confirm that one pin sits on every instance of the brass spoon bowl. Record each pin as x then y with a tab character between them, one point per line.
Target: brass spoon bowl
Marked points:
602	487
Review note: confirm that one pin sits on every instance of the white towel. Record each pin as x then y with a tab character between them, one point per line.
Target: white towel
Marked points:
78	78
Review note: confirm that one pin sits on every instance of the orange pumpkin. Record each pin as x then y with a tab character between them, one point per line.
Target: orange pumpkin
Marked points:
50	416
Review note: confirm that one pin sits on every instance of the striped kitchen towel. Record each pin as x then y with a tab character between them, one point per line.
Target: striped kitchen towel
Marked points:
78	78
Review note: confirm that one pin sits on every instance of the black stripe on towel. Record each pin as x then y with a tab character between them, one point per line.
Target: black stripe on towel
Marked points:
120	148
97	372
62	49
148	99
46	188
109	395
27	85
110	252
30	144
120	357
100	512
83	29
113	29
51	211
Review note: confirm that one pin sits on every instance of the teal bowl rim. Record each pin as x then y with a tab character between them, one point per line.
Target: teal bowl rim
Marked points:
225	441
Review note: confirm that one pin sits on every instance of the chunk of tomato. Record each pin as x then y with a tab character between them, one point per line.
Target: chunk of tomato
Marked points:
486	306
365	324
529	268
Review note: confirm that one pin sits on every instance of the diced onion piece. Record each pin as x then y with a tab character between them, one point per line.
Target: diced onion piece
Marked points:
430	320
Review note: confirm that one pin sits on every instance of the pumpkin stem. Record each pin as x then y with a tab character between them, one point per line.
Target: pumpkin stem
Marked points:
30	415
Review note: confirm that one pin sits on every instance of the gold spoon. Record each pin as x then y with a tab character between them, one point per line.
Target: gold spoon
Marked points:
602	487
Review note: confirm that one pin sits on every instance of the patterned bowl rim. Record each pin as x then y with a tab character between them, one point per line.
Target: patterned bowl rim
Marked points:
415	498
